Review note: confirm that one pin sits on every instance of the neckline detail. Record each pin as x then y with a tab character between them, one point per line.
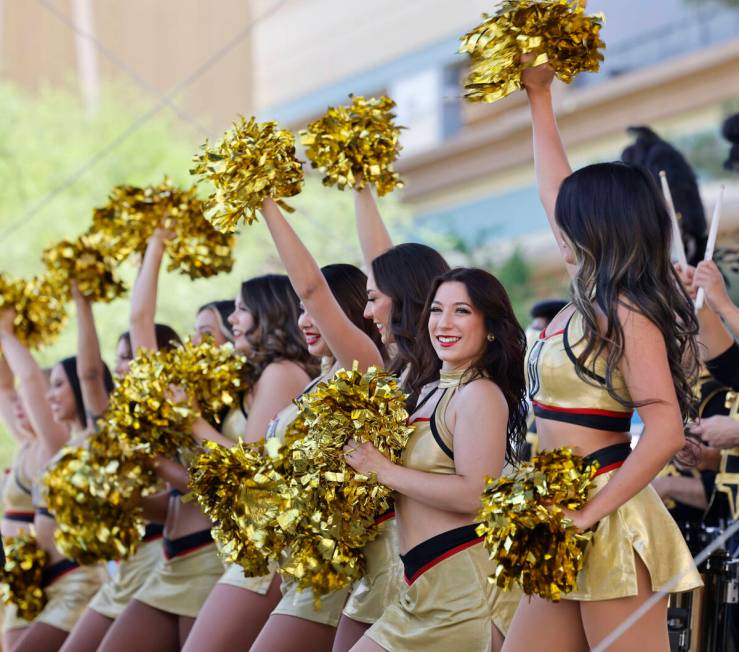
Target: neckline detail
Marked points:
451	378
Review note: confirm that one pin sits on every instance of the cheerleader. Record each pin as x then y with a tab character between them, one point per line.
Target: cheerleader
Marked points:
130	574
58	415
16	491
263	324
468	392
238	607
623	343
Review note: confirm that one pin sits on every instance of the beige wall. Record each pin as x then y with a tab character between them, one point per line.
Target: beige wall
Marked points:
312	43
162	41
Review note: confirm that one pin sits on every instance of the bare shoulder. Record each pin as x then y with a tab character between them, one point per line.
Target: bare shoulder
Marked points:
635	324
283	371
482	395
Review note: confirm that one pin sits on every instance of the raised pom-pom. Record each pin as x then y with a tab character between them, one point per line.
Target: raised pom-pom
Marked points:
356	144
552	31
253	162
526	532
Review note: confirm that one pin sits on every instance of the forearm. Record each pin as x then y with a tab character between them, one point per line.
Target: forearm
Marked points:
155	507
203	431
144	297
173	473
374	238
730	314
451	493
90	366
687	490
713	337
20	361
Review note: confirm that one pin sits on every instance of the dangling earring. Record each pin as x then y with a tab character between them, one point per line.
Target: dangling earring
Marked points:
491	337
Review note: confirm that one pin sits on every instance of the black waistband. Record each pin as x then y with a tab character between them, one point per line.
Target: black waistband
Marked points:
596	419
610	456
44	511
21	517
55	571
153	531
430	552
183	545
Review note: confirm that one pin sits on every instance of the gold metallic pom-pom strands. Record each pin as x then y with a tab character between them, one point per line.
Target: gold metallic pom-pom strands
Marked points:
39	305
84	262
553	31
21	577
356	144
525	530
254	161
337	506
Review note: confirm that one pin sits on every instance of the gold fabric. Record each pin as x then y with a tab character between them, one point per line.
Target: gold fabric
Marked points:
68	596
130	576
14	498
558	385
234	576
640	526
300	604
447	609
181	585
383	580
234	424
11	620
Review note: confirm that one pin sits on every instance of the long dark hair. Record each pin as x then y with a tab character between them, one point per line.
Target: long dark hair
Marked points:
502	359
69	365
621	233
166	338
275	334
405	274
221	309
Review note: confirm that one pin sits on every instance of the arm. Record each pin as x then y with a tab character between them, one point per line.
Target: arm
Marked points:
477	454
33	387
155	507
718	431
173	473
374	238
8	397
144	294
683	489
90	367
708	276
346	341
647	375
550	157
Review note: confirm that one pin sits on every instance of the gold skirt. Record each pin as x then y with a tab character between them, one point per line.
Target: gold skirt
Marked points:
448	602
114	596
68	596
300	604
642	526
382	583
180	585
234	576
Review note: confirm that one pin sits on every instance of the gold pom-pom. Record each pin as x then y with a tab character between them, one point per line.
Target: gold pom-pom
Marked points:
242	490
254	161
93	493
39	305
150	417
22	575
356	144
553	31
339	506
525	530
84	262
132	214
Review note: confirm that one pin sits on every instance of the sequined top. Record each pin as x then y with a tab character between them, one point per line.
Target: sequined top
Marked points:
431	446
559	394
17	488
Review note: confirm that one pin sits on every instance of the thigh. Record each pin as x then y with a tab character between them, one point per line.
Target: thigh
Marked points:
144	629
366	644
12	636
543	625
348	633
496	640
287	633
87	633
600	618
40	637
184	627
232	618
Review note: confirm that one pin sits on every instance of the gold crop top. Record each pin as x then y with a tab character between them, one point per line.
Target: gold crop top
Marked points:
559	394
431	446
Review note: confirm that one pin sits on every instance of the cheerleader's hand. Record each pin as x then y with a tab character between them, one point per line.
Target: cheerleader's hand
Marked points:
708	276
366	459
579	519
538	78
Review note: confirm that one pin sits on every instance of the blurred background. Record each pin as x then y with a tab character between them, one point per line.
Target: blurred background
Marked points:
95	93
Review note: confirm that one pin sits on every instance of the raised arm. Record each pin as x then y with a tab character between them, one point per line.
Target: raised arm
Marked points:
144	295
32	386
8	397
90	366
708	276
374	238
550	157
346	341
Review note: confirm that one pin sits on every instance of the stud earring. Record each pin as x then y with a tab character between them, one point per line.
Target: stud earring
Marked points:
491	337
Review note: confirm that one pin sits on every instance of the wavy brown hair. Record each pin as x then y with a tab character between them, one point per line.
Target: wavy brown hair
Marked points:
275	335
502	360
616	219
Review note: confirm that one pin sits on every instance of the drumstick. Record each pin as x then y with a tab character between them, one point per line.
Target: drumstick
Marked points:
678	249
711	244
